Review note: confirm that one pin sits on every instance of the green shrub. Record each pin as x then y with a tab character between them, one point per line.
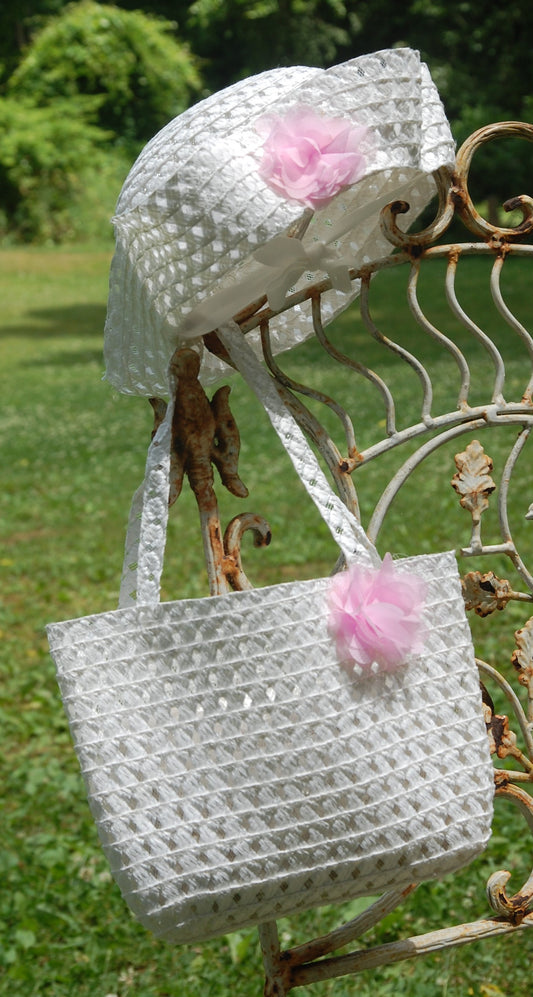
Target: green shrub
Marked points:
47	156
142	74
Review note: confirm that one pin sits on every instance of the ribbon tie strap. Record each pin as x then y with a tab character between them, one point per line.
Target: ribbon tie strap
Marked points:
289	259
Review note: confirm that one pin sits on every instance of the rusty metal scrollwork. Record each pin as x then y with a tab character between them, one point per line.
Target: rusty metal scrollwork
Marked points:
205	434
462	200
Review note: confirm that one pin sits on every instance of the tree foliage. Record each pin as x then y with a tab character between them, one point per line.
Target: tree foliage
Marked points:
236	38
478	50
140	67
18	22
141	73
44	153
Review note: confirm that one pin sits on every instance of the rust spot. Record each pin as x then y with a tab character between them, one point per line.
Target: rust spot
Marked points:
501	780
502	740
262	535
458	195
215	346
498	727
203	433
214	532
487	699
250	309
522	904
486	593
226	443
399	207
159	408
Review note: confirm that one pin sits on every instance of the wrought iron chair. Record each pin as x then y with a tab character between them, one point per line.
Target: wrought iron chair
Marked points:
435	425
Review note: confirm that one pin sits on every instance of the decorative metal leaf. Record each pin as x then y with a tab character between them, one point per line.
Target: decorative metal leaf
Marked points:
485	593
473	481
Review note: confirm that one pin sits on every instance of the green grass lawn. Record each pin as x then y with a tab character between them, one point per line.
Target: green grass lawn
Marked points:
72	453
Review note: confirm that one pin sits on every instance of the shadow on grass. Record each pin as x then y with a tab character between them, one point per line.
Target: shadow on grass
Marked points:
71	320
65	358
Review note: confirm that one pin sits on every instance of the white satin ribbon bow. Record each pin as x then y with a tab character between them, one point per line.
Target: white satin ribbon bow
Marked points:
276	268
289	259
278	265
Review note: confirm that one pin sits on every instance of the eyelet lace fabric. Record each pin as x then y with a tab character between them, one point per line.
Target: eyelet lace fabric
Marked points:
194	209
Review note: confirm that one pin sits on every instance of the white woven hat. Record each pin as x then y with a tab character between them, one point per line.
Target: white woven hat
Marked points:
198	204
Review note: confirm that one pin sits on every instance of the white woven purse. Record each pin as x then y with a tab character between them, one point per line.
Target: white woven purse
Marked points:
236	770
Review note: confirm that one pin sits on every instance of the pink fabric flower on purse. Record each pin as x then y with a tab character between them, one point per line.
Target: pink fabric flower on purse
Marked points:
376	615
310	158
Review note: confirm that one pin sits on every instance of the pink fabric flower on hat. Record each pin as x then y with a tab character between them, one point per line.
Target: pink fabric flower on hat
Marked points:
375	615
310	158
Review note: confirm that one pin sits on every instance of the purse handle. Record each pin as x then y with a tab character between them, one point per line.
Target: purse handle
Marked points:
147	527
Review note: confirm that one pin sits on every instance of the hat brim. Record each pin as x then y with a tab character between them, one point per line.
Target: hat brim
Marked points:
194	208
